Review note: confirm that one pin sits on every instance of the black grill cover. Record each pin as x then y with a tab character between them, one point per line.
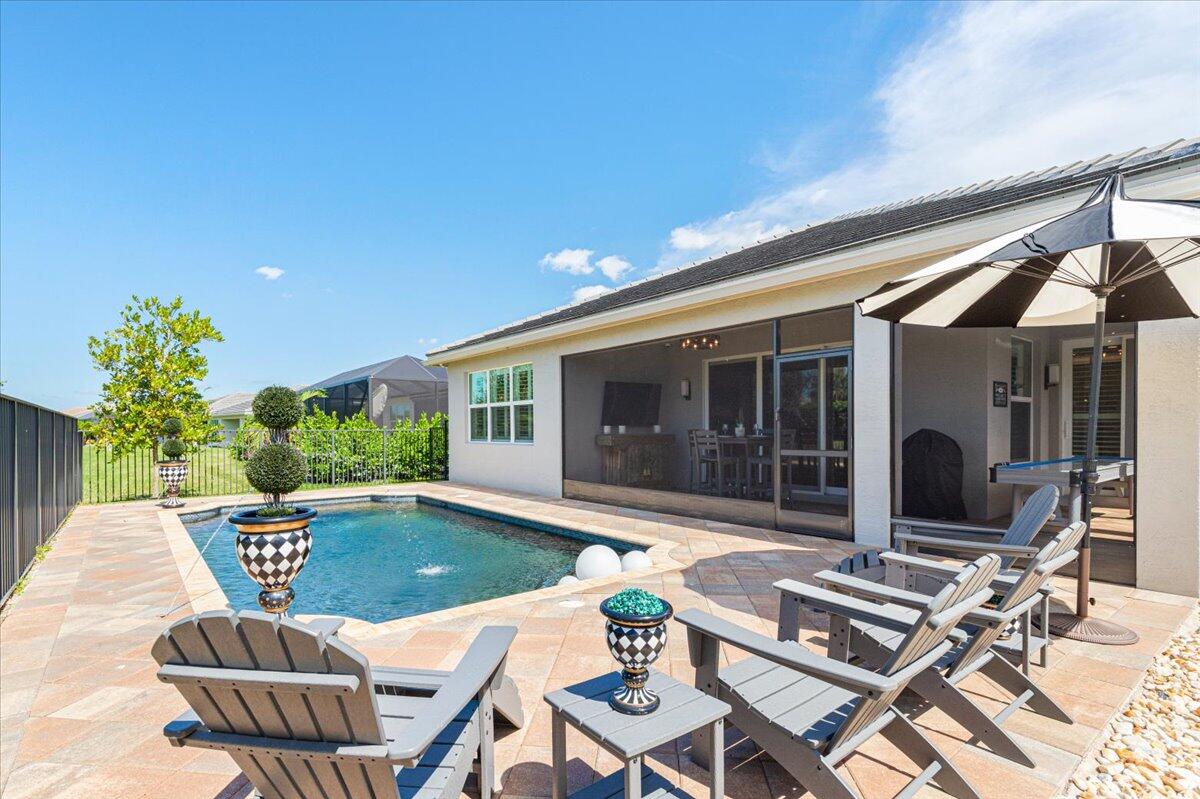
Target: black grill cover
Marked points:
933	477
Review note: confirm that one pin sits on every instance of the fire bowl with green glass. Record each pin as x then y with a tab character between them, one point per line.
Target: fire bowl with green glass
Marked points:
636	629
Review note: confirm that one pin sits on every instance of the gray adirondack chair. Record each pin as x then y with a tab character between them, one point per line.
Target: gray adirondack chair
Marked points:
811	712
299	712
978	646
967	541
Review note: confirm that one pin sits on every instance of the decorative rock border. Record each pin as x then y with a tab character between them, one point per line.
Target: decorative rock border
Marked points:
1153	745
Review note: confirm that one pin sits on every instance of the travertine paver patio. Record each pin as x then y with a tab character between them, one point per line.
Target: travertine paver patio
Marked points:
81	712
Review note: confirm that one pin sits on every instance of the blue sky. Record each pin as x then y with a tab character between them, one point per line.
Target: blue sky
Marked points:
422	172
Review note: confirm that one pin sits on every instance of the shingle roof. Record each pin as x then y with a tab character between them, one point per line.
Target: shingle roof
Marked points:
406	367
860	227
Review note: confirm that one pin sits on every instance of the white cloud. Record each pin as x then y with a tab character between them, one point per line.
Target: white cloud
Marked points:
585	293
614	267
993	90
571	261
427	342
269	272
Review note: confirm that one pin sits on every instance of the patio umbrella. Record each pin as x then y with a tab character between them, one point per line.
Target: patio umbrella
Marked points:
1113	257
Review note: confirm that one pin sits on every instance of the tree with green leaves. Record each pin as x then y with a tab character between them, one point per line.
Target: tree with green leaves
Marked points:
152	363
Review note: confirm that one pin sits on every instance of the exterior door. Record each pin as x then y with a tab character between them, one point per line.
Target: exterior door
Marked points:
812	439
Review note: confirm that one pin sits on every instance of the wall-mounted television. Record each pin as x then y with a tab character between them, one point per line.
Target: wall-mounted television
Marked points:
631	404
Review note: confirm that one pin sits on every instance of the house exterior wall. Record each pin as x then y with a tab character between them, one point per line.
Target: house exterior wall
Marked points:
1168	468
1167	436
537	467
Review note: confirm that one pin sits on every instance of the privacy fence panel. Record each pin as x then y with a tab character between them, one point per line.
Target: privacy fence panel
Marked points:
333	458
40	482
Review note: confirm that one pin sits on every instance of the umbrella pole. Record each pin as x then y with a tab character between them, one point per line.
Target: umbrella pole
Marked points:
1079	626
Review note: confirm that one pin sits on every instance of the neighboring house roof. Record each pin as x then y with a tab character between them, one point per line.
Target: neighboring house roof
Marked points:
860	227
406	367
236	404
81	412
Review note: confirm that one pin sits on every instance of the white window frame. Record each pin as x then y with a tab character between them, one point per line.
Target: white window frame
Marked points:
510	405
1013	398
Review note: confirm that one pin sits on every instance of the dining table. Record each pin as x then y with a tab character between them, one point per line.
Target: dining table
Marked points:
744	447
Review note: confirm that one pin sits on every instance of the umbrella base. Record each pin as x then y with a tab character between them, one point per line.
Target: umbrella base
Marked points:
1091	631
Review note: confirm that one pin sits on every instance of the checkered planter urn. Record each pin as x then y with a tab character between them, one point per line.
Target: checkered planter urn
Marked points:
272	551
172	474
636	642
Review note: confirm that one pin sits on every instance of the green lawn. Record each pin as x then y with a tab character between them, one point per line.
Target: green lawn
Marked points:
213	471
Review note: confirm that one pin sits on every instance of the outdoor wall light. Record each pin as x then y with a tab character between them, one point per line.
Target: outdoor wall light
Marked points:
706	342
1053	374
685	388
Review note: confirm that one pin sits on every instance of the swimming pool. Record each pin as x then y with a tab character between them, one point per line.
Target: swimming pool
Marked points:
385	558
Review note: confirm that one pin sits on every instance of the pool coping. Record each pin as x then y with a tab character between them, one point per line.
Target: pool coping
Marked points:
204	593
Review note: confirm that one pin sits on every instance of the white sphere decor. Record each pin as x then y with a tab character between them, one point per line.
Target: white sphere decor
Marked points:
635	561
597	561
567	579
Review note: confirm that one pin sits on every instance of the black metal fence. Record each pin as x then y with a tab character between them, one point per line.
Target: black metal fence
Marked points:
40	482
333	457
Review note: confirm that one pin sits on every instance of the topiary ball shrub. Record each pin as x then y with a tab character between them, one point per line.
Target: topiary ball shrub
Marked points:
173	449
275	469
277	408
172	427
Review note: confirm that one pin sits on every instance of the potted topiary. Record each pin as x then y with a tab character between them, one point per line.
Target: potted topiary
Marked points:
274	541
636	630
172	469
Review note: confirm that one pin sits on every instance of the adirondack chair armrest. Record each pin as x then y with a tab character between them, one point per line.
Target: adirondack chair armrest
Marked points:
183	726
329	625
915	563
865	589
787	654
1054	564
480	669
968	548
892	617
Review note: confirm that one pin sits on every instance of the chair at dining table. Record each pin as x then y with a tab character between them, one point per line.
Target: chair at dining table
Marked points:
760	468
711	467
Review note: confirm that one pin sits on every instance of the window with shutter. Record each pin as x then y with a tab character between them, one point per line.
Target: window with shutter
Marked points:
500	405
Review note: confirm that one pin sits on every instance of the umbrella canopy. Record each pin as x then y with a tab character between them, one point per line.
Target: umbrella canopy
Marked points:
1113	257
1052	272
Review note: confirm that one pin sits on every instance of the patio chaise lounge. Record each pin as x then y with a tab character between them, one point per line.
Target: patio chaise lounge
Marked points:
298	710
810	712
977	644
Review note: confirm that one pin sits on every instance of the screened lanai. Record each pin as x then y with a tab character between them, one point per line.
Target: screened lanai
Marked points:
392	392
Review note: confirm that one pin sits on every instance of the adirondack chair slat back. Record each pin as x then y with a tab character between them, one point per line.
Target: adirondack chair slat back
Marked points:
1028	584
269	644
957	598
1038	509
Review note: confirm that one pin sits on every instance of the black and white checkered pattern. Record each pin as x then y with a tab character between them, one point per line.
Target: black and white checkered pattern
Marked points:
636	647
274	559
174	474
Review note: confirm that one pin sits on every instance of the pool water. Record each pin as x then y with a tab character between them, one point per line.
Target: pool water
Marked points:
381	560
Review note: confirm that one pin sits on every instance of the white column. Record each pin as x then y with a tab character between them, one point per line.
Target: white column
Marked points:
1168	456
872	431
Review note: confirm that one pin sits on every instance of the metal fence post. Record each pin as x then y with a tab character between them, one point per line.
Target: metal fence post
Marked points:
383	435
332	460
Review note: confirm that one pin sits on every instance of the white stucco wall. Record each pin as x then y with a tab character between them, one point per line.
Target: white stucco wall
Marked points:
535	468
1168	445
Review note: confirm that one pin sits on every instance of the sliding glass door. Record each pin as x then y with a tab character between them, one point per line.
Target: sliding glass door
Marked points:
812	424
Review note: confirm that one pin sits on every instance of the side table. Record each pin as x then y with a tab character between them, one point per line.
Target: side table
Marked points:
683	709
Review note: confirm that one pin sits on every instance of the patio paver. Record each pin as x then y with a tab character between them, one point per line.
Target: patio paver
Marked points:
81	712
